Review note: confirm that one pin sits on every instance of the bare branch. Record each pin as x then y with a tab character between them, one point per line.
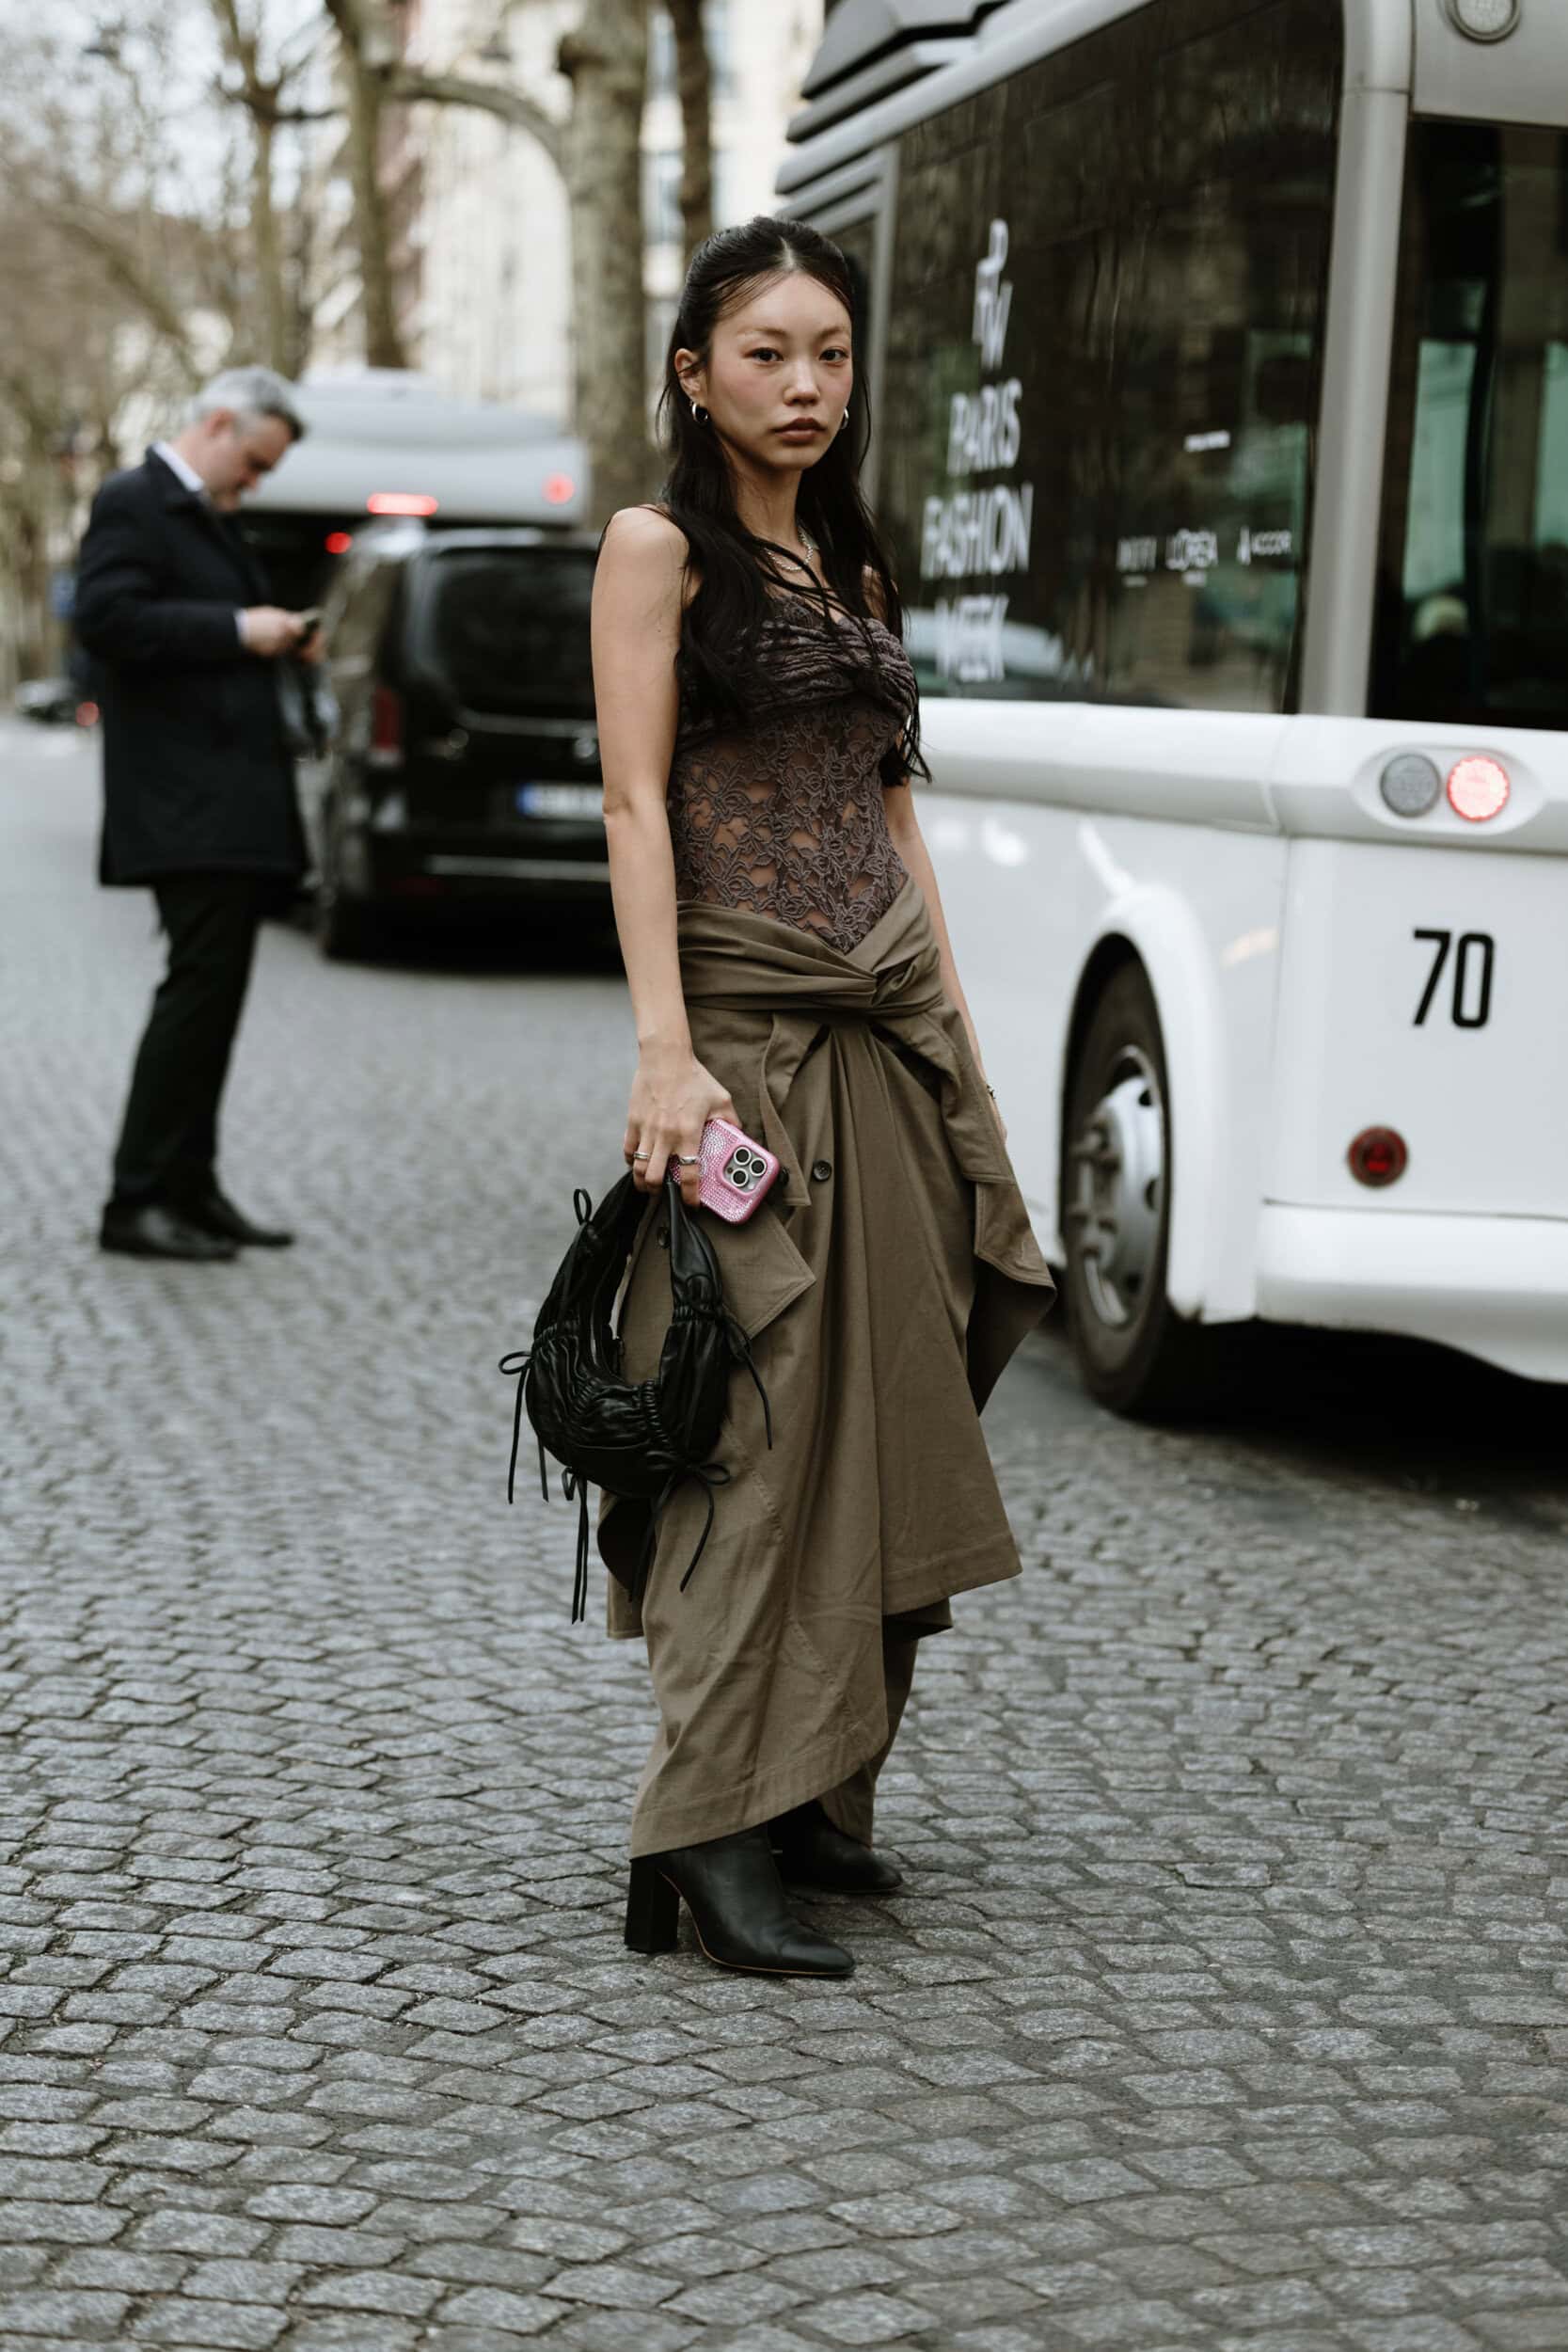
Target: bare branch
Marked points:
411	87
99	238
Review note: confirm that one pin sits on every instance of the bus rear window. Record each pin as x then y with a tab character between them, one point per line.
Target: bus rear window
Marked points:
506	630
1472	620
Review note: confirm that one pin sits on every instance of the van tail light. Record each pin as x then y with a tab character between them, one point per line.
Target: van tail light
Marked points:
1478	788
1377	1157
386	745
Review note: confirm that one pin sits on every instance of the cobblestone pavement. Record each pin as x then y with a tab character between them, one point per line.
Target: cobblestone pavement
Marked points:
1227	2006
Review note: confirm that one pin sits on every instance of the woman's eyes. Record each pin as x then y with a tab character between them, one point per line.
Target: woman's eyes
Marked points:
766	351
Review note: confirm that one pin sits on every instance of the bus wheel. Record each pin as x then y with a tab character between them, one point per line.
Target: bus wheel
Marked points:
1133	1354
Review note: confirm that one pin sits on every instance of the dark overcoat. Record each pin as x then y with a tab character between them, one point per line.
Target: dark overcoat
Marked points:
197	776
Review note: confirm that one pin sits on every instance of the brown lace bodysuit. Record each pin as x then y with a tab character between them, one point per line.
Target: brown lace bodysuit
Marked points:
783	813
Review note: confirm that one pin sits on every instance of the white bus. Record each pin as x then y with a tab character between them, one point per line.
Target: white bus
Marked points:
386	441
1219	361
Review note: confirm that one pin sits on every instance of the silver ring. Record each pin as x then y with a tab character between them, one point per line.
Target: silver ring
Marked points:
641	1155
694	1162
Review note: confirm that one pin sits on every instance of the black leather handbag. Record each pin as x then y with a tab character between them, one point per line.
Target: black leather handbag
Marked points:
636	1439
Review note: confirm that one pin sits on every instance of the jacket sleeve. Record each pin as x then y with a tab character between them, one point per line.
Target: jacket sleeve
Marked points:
120	616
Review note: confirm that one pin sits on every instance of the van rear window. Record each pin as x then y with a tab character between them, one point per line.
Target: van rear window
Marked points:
507	629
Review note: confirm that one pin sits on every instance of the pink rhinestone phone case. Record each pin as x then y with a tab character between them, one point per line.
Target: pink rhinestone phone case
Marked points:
736	1172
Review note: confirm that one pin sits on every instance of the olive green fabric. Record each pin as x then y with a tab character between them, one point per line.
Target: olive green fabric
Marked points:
883	1283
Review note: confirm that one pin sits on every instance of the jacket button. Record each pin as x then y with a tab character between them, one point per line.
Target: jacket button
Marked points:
821	1171
662	1236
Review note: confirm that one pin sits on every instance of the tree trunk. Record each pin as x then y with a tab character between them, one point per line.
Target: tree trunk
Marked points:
260	99
694	86
383	340
605	61
269	253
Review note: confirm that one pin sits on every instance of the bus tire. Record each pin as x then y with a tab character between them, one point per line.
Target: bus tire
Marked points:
1134	1352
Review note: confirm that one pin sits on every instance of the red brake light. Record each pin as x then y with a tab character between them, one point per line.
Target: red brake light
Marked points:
401	503
1378	1157
1478	788
385	744
559	489
339	542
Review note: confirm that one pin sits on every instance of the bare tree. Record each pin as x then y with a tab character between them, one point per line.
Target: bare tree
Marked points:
375	77
280	246
368	56
694	90
98	159
260	94
79	357
606	60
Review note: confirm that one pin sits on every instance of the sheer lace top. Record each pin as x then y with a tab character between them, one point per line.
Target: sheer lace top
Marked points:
781	814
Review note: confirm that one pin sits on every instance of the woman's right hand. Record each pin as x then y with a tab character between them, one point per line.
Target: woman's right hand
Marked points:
672	1097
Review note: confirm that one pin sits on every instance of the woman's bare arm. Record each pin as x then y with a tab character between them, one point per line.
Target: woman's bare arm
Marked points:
638	591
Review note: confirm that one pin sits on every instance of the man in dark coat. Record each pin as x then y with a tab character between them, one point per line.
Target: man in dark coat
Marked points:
199	785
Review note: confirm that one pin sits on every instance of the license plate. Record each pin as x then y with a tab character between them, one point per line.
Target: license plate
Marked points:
576	800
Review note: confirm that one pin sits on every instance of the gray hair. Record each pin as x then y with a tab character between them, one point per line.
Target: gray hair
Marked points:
249	392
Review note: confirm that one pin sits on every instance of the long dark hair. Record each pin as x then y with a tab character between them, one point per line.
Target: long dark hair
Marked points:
738	574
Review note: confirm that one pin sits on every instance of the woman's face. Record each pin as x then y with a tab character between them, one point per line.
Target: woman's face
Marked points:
779	374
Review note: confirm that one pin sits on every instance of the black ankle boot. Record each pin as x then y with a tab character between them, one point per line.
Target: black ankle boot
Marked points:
811	1853
732	1888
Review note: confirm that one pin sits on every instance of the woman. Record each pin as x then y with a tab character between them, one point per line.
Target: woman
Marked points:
789	970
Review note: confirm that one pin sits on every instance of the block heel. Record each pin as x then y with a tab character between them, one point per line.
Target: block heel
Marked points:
732	1888
653	1908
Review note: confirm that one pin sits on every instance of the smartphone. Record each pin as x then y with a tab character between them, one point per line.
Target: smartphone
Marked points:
310	621
735	1172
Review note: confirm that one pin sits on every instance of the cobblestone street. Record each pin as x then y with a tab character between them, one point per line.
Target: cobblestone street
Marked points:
1226	2006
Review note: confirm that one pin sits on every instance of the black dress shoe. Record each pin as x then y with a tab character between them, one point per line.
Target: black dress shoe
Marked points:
811	1853
732	1888
216	1213
149	1230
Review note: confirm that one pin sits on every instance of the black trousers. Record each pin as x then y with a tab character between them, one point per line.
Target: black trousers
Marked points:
168	1144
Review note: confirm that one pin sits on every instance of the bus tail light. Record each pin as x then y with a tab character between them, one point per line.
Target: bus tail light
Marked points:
1378	1157
385	744
1478	788
401	503
339	542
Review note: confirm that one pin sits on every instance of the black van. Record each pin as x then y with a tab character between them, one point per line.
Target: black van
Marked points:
464	769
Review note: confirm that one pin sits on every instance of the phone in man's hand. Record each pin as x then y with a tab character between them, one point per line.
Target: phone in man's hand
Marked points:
310	621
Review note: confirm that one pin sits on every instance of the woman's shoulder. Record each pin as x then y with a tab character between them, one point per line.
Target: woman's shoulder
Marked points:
647	545
644	534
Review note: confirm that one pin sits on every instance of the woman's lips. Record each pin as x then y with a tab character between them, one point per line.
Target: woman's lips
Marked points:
804	431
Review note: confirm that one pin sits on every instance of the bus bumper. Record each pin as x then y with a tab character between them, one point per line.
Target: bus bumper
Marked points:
1492	1287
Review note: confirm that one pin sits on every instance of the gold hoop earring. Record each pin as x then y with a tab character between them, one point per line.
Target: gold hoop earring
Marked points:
699	414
